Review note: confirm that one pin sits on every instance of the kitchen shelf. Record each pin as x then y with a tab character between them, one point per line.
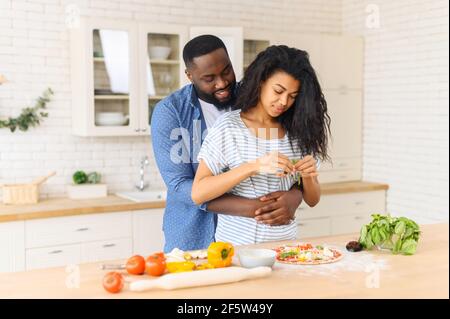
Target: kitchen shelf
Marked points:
163	62
112	97
125	97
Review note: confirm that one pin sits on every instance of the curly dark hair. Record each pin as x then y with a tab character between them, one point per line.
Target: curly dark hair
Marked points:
306	122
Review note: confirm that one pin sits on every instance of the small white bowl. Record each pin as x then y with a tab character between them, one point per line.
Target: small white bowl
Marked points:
159	52
255	257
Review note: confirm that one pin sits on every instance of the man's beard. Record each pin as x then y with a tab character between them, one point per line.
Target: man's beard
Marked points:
210	98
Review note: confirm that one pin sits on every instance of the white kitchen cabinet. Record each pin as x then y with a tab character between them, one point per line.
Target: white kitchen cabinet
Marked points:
119	72
111	249
341	62
77	229
148	236
314	227
345	144
53	256
232	37
12	246
339	213
104	77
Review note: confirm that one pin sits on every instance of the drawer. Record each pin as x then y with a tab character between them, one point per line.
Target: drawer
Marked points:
77	229
345	204
332	176
56	256
349	224
313	227
341	163
106	250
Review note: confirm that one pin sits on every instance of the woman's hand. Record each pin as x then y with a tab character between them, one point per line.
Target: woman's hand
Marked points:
274	163
307	166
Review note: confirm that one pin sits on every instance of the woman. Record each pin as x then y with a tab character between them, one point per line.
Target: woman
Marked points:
276	133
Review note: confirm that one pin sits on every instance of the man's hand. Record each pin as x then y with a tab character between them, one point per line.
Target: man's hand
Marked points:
281	209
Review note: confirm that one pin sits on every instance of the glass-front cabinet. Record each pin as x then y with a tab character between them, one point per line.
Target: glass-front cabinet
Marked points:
161	64
120	69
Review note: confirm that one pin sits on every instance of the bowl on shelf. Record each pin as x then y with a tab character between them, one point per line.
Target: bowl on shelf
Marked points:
159	52
255	257
110	118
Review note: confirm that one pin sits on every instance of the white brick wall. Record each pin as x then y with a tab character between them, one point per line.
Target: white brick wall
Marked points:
34	54
406	109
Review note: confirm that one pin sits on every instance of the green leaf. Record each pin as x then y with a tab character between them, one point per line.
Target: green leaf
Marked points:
409	247
400	228
363	234
397	246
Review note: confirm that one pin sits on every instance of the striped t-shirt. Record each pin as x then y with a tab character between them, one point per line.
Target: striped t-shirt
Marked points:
229	144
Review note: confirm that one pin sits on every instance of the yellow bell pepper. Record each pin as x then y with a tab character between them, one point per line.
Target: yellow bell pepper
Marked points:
220	254
180	266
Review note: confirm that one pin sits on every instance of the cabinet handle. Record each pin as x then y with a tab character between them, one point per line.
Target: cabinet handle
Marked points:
136	130
342	164
83	229
301	224
359	203
54	252
359	217
108	245
301	208
144	130
342	176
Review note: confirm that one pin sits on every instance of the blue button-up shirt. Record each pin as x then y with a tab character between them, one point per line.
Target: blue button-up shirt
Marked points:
177	131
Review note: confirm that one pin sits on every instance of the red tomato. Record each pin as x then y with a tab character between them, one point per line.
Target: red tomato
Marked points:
113	282
155	265
136	265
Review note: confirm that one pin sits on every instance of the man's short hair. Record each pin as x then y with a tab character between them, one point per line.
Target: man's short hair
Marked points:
201	45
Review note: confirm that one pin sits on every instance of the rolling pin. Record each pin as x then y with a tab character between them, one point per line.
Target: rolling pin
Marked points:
200	278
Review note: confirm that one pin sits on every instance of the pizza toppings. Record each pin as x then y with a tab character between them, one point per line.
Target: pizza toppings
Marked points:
307	254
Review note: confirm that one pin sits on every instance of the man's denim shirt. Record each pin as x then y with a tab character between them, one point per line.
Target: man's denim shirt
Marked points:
177	131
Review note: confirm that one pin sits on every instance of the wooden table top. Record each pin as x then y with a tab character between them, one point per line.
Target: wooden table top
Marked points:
373	274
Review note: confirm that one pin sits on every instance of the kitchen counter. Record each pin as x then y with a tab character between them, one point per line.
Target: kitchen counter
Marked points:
374	274
59	207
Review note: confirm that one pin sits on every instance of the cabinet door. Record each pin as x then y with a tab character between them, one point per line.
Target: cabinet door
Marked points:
306	42
148	236
55	256
12	246
105	78
349	224
341	62
232	37
313	228
161	66
111	249
345	111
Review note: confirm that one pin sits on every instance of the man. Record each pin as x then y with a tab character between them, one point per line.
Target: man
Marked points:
179	125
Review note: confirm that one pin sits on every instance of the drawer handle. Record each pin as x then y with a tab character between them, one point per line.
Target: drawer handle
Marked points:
342	176
54	252
301	208
342	164
109	245
83	229
301	224
359	217
359	203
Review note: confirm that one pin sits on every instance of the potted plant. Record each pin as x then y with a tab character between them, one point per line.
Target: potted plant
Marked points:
86	186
